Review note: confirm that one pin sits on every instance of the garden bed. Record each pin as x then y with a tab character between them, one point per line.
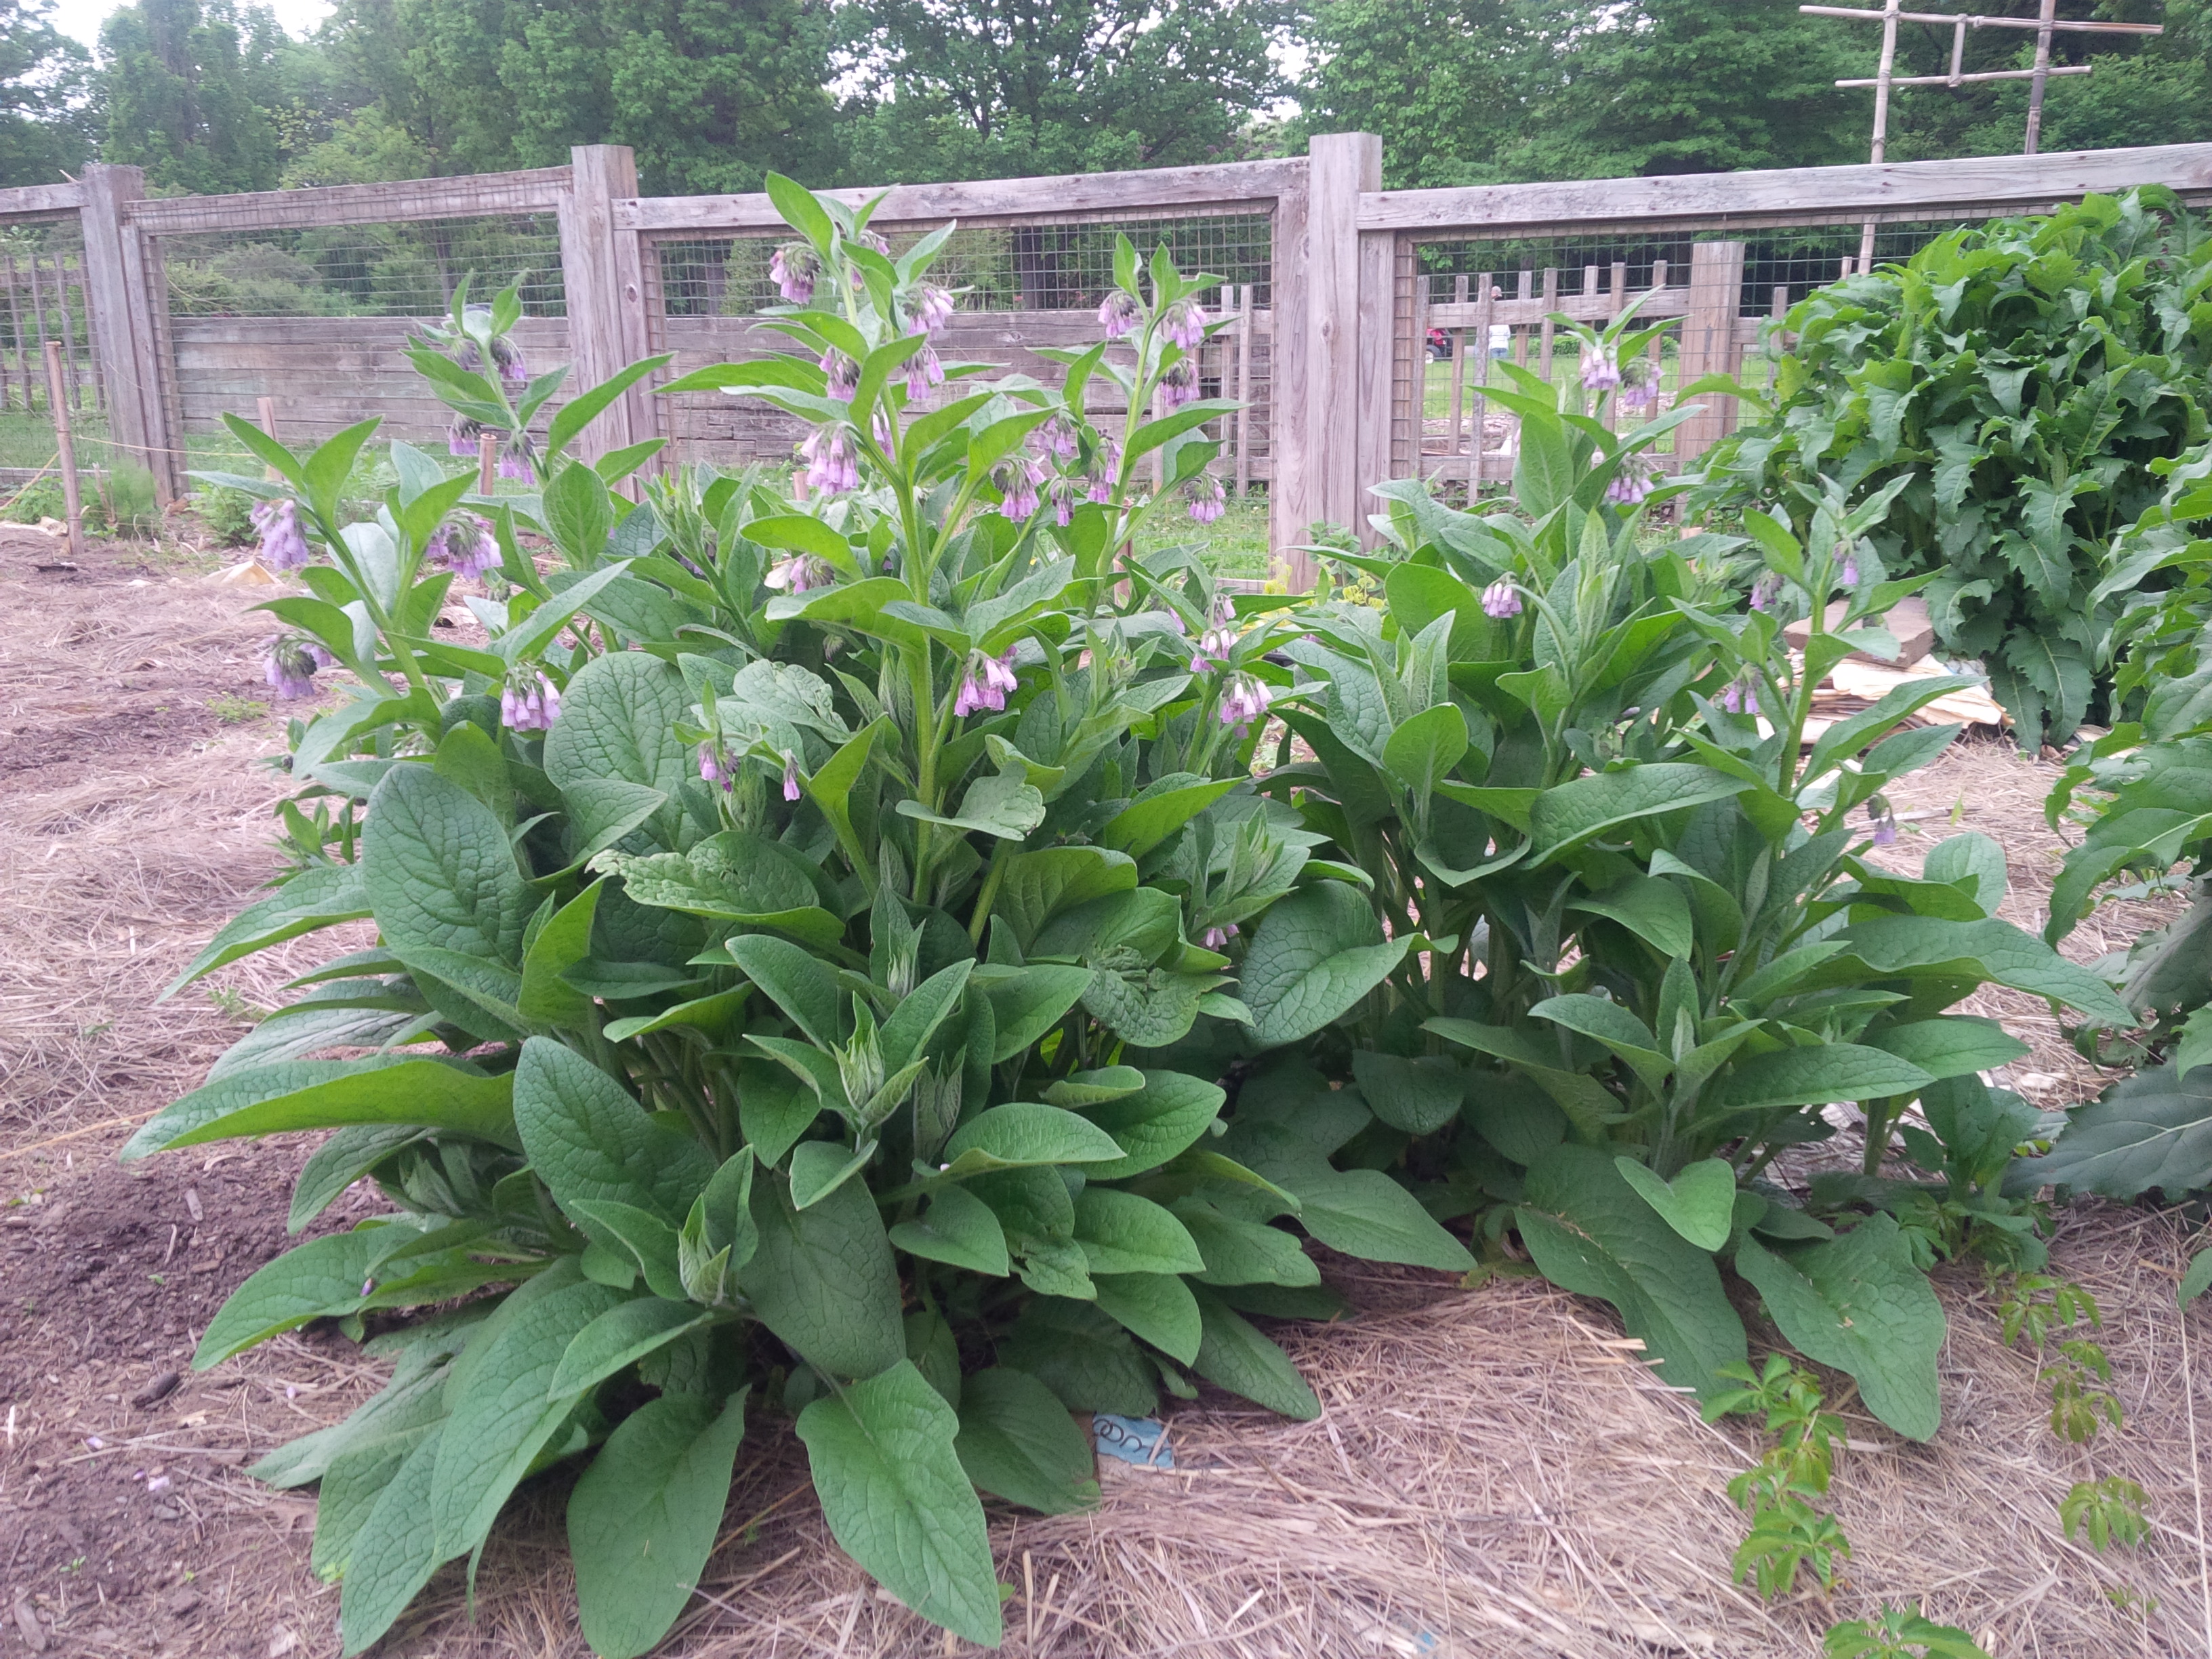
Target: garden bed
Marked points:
1492	1472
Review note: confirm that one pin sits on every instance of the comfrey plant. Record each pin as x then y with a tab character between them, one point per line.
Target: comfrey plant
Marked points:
1617	936
768	1018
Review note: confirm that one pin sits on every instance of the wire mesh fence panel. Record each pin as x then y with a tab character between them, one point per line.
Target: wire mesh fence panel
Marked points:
1021	291
1478	303
317	320
42	276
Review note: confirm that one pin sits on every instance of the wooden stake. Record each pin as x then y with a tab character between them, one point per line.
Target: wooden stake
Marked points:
266	408
76	503
486	461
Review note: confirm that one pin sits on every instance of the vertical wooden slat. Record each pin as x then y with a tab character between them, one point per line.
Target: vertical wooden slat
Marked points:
1551	302
597	330
1618	291
1342	166
123	372
1458	368
1709	342
1244	391
37	311
1523	291
1290	484
16	333
65	451
68	334
1778	310
1418	367
1485	309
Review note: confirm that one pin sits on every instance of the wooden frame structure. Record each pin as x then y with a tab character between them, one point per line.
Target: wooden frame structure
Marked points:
1338	346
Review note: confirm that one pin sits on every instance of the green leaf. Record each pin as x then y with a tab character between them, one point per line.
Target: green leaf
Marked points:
958	1229
619	1337
505	1416
1233	1353
1123	1233
1950	1046
1241	1252
1417	1095
1614	1026
333	1094
1651	908
1575	811
1035	887
619	719
999	803
1027	1002
819	1168
898	1502
340	1161
1080	1090
577	515
1817	1076
1157	1307
1018	1441
824	1279
1082	1356
2152	1131
1021	1133
644	1518
563	942
1591	1233
588	1139
2195	1279
524	642
314	898
1421	753
395	1552
1159	1121
1315	955
797	981
1699	1203
581	410
440	871
322	1276
1143	825
1364	1212
1857	1303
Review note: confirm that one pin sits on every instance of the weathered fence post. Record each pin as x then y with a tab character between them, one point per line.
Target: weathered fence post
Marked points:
1709	341
602	275
1344	164
119	303
1289	442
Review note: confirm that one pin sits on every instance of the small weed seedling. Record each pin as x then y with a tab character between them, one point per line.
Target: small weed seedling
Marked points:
1900	1633
1787	1533
237	711
2107	1511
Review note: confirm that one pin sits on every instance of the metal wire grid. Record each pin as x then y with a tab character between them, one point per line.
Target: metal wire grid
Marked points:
42	274
1017	286
401	270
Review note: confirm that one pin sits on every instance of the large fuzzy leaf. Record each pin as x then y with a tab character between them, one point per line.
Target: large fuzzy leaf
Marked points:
588	1139
2154	1130
1857	1303
1315	955
898	1502
1590	1232
824	1279
440	872
1018	1441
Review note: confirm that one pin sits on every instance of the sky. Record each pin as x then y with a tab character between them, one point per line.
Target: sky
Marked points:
82	18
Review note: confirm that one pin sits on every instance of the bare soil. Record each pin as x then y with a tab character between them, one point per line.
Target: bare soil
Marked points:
1493	1474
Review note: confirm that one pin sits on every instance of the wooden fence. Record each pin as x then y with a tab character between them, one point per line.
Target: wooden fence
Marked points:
1364	324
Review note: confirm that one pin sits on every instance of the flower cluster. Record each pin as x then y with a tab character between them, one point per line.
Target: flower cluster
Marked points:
464	545
930	308
1216	937
830	464
1206	500
791	777
1184	323
924	370
1118	313
1244	700
1018	477
1501	599
1214	649
1179	383
533	709
716	765
1765	590
1639	384
841	373
1600	369
793	269
1631	483
798	573
985	683
282	545
290	663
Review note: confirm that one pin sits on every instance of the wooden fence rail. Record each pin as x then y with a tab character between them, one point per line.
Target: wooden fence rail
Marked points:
1327	339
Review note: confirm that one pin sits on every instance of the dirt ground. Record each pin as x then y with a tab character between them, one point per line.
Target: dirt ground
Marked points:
1493	1475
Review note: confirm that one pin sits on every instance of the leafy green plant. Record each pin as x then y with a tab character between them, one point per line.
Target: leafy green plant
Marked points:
782	926
1899	1632
2106	1512
2016	382
228	514
127	503
1616	930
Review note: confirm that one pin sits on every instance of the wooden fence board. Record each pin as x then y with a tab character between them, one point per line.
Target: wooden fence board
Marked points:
471	197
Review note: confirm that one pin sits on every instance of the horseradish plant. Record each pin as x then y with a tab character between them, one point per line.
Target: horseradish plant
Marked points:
1625	937
763	1014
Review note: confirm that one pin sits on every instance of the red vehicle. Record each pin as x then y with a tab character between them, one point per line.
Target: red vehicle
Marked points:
1439	346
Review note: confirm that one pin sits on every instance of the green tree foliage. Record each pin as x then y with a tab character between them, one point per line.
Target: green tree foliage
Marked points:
43	124
984	88
192	93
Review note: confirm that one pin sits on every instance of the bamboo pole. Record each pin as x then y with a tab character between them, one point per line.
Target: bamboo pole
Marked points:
68	445
68	335
16	324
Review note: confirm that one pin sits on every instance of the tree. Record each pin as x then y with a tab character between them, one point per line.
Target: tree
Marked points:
44	77
994	88
190	90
